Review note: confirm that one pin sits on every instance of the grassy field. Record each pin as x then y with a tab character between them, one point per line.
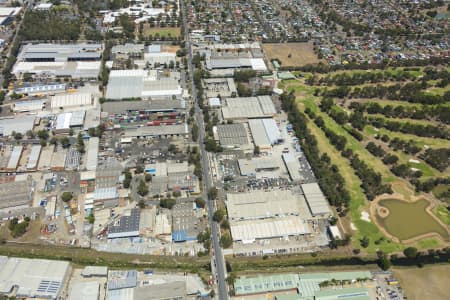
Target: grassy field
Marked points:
430	282
83	257
291	54
402	219
162	31
443	214
358	202
420	141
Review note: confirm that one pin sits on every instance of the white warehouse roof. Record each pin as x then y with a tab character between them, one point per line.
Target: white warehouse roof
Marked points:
92	154
317	202
70	100
250	231
33	158
18	124
35	278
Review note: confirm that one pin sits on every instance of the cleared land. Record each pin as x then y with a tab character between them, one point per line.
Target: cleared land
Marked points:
430	282
162	31
291	54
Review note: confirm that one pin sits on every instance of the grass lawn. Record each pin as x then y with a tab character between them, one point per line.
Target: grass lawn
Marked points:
442	213
439	190
162	31
420	141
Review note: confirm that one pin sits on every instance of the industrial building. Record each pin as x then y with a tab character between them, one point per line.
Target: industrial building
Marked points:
243	108
138	83
14	159
158	131
250	167
293	166
28	106
79	61
65	121
89	290
7	14
265	133
260	204
222	87
317	203
249	231
128	50
260	215
126	226
118	280
106	197
33	278
95	271
233	136
78	100
92	154
304	286
16	194
40	89
147	107
33	157
18	124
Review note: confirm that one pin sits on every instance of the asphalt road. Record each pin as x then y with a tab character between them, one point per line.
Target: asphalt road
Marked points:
218	256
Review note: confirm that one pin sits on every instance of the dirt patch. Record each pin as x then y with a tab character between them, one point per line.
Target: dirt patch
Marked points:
426	283
291	54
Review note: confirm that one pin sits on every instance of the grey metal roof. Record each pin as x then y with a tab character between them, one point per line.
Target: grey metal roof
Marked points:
117	107
232	134
122	279
317	202
126	224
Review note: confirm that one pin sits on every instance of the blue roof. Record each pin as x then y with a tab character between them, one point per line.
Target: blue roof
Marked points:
179	236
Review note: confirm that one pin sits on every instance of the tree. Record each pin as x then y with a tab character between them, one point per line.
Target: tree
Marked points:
142	188
365	241
141	204
17	136
66	196
65	142
225	240
218	215
139	169
256	151
168	203
91	218
384	262
200	202
212	193
410	252
148	177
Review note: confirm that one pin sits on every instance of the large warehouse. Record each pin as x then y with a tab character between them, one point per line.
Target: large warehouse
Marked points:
233	136
19	124
317	203
267	215
259	204
72	100
33	278
141	84
72	60
248	108
265	132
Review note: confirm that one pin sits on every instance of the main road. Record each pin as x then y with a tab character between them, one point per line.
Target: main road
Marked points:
218	256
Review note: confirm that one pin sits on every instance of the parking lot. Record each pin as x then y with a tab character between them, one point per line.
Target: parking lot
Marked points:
388	286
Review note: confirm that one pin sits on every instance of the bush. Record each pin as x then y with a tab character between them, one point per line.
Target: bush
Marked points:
225	240
218	215
200	202
66	196
167	203
410	252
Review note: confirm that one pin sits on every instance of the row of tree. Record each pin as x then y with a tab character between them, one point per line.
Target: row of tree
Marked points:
358	78
437	158
439	113
411	92
330	180
428	130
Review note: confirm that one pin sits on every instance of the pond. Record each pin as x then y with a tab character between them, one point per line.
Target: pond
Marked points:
408	220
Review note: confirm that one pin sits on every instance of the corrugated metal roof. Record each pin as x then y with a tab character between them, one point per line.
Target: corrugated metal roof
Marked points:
317	202
33	158
68	100
92	154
